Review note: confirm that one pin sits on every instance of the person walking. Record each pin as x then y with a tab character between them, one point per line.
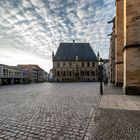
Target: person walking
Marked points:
106	81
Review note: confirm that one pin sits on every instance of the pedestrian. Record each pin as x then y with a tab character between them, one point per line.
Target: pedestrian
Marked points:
106	81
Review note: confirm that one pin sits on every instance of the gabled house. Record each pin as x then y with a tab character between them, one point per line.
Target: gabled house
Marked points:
75	62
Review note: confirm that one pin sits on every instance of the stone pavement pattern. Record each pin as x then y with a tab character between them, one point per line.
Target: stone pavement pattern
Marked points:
118	116
115	124
48	111
123	102
113	98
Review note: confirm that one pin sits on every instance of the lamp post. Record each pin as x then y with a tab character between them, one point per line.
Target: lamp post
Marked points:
101	75
77	74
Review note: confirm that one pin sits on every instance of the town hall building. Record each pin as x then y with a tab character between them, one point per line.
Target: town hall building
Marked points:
75	62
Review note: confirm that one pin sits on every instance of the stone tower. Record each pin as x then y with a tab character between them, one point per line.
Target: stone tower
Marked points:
131	49
119	42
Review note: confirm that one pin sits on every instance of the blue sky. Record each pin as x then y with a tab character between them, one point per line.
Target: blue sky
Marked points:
30	30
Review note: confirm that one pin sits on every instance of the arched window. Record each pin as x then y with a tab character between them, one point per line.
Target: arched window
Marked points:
88	64
83	73
58	73
70	73
82	64
64	73
93	73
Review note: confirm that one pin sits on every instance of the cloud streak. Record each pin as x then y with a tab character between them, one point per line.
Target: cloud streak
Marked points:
38	26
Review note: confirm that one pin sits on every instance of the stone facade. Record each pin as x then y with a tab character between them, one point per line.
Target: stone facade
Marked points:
127	46
112	54
75	62
132	47
75	70
119	40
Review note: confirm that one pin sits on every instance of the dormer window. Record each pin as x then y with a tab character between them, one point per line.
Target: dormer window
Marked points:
76	58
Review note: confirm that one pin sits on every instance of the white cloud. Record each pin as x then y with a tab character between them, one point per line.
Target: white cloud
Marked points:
36	27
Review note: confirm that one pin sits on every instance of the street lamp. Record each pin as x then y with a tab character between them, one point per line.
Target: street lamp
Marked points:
77	74
101	75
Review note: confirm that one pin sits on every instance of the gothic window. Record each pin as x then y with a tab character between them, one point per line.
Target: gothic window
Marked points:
58	73
82	64
73	72
82	73
88	64
93	73
64	73
70	73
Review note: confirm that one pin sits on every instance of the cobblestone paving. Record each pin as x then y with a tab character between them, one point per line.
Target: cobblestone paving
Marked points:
116	124
48	111
113	124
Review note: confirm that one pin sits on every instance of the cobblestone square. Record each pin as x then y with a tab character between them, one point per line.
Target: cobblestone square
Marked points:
116	124
117	117
47	111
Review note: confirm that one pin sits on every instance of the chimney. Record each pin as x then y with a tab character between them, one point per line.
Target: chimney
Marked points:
73	42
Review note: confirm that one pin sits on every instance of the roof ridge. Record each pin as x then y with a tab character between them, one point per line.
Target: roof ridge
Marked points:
66	51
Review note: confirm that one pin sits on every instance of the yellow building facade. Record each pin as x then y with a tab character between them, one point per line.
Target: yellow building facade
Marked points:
127	46
131	51
75	62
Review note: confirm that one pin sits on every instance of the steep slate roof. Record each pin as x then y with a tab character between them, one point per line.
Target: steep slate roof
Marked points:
69	51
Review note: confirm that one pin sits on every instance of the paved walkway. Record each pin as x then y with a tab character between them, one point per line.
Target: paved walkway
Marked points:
118	116
123	102
111	100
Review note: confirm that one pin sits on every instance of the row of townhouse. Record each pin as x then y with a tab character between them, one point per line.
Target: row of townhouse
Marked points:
22	74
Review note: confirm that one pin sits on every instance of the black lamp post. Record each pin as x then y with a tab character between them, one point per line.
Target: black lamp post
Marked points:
101	75
77	74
